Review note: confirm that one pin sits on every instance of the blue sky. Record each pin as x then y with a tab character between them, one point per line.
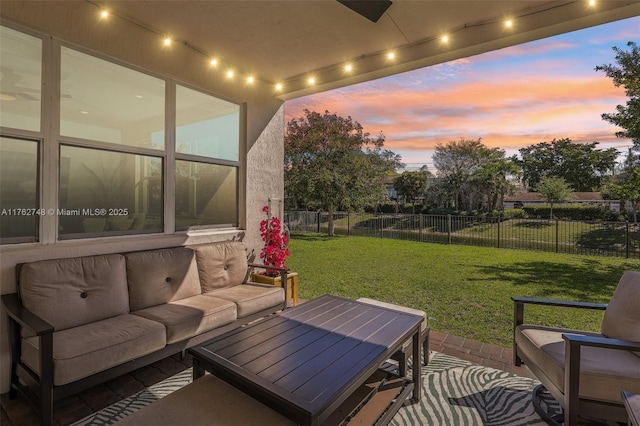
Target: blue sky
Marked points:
510	98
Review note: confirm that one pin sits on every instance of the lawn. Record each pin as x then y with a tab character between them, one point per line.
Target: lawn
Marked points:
464	290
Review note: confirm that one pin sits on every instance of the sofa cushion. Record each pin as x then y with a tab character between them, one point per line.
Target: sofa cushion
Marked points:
87	349
622	317
161	276
251	298
221	265
188	317
603	372
71	292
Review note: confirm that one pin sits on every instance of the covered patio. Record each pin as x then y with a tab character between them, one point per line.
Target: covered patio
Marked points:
69	107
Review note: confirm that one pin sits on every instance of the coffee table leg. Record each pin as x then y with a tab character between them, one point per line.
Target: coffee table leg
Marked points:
417	367
197	370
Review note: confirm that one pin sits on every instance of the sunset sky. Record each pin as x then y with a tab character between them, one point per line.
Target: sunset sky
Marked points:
510	98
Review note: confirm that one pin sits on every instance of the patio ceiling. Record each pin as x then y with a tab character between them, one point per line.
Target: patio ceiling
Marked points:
288	42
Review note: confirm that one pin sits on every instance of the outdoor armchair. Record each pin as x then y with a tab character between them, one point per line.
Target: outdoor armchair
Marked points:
584	371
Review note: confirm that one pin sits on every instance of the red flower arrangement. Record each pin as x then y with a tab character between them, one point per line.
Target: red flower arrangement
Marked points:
276	243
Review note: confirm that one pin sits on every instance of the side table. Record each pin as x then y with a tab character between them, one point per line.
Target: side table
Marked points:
632	405
292	284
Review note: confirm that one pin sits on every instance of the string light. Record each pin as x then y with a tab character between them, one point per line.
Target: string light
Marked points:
348	67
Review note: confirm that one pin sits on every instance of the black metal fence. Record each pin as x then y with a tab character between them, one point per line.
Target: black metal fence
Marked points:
619	239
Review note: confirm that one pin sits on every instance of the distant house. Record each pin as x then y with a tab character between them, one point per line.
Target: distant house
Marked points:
522	199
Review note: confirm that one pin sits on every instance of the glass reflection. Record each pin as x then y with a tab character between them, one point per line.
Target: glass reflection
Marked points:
109	192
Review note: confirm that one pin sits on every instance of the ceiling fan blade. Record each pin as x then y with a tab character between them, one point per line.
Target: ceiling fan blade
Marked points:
370	9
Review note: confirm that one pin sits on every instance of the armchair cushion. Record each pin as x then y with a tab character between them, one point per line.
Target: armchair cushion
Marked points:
603	372
622	317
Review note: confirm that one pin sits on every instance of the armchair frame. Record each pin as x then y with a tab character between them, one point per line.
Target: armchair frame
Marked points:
569	399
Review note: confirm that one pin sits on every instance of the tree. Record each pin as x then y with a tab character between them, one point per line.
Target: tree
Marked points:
476	176
627	75
625	185
411	185
581	165
554	190
330	162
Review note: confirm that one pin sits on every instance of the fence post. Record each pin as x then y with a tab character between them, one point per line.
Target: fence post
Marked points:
499	231
348	223
420	224
627	241
449	229
557	236
318	222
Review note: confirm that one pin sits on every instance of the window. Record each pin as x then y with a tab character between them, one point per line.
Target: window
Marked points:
21	83
110	158
205	194
106	102
102	191
207	153
206	126
19	213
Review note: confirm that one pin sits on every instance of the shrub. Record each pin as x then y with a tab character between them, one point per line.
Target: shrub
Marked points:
568	212
513	214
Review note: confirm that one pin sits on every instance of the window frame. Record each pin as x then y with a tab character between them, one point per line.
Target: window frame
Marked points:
50	141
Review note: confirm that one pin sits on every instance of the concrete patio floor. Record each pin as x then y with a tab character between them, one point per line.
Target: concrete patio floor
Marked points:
19	413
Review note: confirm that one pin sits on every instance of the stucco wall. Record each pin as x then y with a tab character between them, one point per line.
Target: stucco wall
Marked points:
261	139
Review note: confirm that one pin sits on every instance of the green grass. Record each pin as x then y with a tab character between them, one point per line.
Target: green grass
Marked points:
464	290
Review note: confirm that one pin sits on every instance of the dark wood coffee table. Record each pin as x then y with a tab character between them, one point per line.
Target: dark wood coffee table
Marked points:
304	362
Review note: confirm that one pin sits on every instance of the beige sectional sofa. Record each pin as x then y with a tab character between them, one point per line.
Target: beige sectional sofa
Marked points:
79	321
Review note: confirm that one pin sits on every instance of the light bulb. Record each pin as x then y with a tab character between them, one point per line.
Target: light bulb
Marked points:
213	62
104	13
167	41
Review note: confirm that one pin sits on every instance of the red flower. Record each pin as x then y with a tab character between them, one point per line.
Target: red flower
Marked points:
276	243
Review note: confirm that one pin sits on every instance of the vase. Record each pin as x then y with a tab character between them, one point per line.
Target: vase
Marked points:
292	284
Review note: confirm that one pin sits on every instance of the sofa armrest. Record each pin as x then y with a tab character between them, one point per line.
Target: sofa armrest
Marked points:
24	316
283	276
573	344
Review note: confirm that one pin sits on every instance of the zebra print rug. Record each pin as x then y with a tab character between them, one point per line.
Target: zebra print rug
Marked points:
454	392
